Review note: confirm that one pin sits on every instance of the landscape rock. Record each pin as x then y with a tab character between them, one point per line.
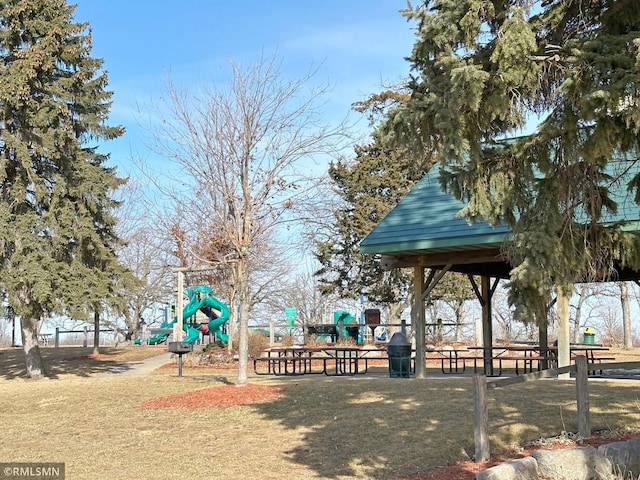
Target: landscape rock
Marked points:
520	469
625	456
582	463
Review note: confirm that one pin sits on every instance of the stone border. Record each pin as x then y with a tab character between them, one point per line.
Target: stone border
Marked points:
611	461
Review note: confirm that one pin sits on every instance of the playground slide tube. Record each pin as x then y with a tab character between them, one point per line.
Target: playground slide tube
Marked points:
189	310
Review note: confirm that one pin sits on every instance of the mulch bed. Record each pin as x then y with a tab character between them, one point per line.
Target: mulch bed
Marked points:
223	396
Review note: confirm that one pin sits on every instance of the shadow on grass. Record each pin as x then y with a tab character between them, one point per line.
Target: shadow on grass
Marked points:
373	427
65	361
382	428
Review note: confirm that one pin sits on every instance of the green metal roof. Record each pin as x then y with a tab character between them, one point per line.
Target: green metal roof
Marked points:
426	220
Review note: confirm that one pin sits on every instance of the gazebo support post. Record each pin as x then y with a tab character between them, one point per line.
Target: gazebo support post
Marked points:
487	326
543	339
419	288
564	356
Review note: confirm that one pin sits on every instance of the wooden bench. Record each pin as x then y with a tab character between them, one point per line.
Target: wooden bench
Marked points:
450	360
286	365
380	358
599	360
303	365
475	359
527	362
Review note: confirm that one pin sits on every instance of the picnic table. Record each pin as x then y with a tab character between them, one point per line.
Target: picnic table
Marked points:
451	360
331	360
285	361
589	350
528	358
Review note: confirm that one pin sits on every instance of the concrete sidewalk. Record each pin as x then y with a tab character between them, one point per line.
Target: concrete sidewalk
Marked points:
139	368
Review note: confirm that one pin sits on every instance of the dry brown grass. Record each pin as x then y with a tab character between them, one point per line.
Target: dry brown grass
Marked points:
369	426
74	361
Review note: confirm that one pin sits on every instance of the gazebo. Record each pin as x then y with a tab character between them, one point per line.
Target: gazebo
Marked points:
424	232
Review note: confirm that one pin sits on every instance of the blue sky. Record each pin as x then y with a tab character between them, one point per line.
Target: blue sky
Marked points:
359	45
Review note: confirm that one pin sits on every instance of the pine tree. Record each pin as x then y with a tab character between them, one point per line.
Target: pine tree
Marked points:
368	188
483	70
57	238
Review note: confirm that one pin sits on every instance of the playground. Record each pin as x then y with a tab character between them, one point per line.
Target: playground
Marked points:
201	299
161	426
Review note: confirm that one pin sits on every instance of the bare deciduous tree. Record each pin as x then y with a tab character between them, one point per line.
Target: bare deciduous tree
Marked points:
246	151
146	254
626	314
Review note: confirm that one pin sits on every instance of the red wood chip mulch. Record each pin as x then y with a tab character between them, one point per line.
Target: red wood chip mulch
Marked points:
467	470
223	396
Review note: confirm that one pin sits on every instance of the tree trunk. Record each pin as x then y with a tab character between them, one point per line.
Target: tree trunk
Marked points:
459	322
32	358
543	336
626	315
96	332
232	324
243	343
564	356
582	297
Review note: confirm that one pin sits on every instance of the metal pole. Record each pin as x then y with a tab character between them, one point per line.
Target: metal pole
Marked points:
179	307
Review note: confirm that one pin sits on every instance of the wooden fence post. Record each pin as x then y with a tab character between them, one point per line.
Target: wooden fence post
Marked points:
56	341
582	397
480	418
85	341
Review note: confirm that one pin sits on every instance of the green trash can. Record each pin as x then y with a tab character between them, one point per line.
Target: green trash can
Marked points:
589	336
399	353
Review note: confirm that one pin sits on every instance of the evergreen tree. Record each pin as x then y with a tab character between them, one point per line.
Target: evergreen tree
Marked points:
57	238
368	188
484	69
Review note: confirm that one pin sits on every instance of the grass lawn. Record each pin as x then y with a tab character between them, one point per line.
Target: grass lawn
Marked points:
369	426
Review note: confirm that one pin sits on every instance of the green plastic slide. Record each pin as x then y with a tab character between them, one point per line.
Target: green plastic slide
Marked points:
200	298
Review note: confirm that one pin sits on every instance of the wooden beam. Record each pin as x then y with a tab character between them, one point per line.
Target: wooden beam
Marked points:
480	418
562	310
476	289
492	255
582	397
527	377
434	280
418	287
487	326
